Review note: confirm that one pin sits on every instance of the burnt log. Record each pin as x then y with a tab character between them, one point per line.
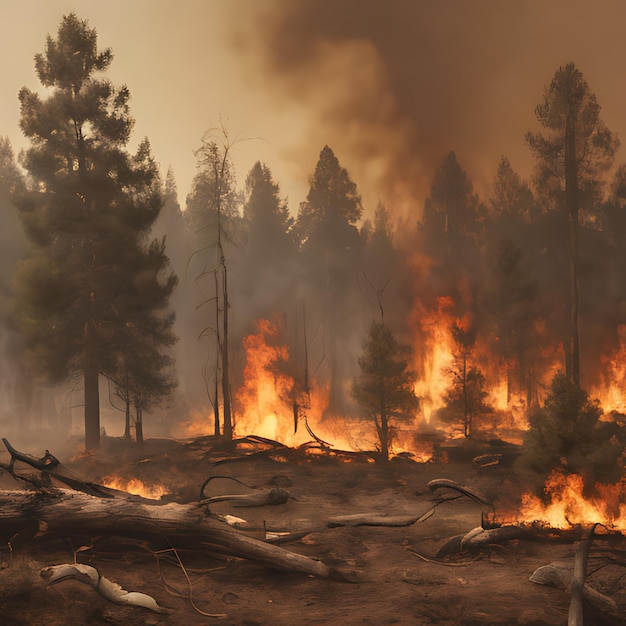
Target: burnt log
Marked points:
65	513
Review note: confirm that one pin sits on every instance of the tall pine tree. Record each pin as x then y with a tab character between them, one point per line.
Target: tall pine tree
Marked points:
88	212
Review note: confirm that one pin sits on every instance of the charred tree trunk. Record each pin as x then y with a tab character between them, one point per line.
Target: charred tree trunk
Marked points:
127	414
382	426
139	424
228	423
571	201
92	407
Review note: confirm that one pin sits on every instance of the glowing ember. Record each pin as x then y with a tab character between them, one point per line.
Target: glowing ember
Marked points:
135	486
570	507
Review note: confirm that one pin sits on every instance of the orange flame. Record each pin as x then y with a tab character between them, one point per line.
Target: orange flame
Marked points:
436	356
197	425
612	390
568	505
135	486
264	398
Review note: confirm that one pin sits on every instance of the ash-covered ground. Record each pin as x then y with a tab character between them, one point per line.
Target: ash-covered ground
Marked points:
389	583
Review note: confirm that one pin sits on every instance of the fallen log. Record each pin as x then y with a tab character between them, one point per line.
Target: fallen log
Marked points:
64	513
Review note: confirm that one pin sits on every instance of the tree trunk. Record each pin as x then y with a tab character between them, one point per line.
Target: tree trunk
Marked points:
127	414
571	201
139	425
228	423
216	401
466	417
92	408
67	512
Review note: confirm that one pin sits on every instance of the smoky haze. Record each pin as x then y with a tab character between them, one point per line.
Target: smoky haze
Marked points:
394	89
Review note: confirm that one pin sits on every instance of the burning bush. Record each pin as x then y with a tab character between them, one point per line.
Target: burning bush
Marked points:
566	434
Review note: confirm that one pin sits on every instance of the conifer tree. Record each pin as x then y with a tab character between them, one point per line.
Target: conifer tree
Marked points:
384	388
573	153
88	212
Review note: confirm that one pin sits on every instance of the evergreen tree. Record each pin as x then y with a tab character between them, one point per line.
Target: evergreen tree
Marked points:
452	210
270	251
88	211
567	434
330	251
15	379
267	218
573	153
384	389
466	398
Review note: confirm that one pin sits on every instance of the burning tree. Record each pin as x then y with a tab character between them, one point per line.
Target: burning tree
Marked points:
88	212
466	398
384	389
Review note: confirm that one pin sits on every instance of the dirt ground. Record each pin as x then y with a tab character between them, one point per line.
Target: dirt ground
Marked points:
390	584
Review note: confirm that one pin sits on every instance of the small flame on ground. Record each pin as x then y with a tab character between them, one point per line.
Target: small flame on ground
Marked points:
568	505
135	486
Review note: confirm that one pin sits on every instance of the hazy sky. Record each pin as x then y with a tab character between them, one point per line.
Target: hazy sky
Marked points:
391	86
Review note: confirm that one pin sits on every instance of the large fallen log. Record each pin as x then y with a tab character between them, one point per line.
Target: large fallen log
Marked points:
65	513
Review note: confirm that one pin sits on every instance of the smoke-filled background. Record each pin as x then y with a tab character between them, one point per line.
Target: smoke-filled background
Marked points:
392	89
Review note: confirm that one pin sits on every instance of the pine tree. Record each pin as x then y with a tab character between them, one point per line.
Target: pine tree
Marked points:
88	212
330	247
573	153
384	389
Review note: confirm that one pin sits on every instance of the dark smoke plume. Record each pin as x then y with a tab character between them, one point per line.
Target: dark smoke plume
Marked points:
395	86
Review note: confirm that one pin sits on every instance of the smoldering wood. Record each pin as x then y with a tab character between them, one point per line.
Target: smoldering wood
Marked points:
481	537
65	513
49	468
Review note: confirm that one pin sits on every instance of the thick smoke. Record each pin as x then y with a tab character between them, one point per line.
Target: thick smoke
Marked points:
394	87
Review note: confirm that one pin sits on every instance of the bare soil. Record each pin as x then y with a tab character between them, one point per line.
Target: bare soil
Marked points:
391	585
